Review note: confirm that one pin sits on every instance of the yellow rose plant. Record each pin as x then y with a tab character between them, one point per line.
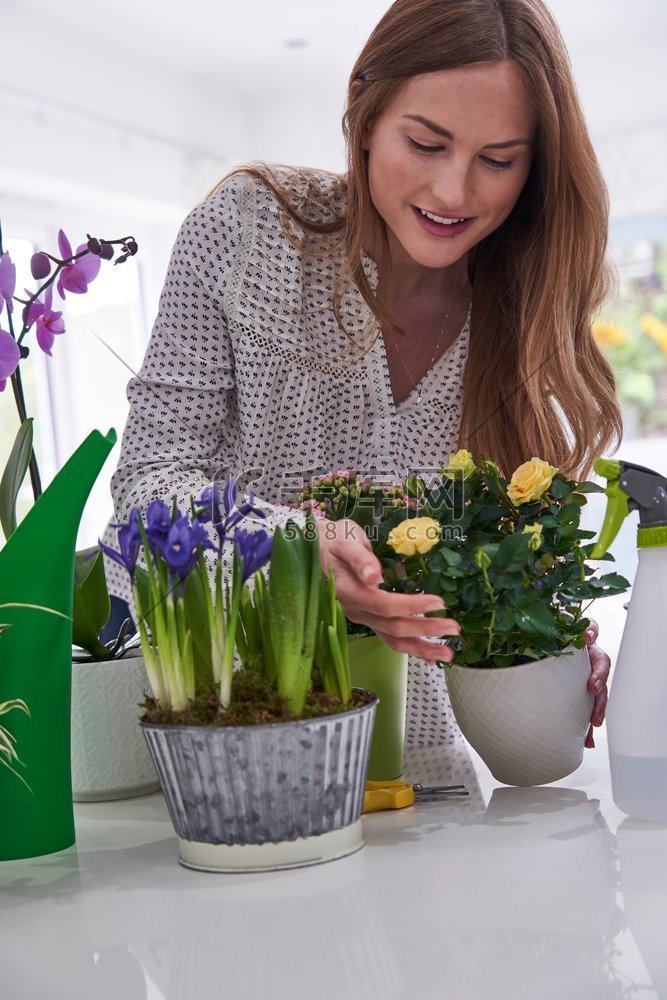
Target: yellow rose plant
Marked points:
507	556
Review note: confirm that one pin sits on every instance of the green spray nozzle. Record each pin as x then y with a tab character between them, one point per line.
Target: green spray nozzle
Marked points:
629	487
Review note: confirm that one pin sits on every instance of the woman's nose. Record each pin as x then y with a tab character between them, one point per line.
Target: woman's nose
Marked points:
452	186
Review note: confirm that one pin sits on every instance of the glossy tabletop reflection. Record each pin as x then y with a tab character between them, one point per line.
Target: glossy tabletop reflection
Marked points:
512	893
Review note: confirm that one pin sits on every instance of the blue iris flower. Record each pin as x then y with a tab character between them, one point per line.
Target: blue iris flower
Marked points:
210	509
254	548
129	540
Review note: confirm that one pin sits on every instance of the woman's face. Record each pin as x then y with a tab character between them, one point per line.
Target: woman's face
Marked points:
452	145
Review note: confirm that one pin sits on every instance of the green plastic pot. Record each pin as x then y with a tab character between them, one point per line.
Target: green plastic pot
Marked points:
37	567
377	668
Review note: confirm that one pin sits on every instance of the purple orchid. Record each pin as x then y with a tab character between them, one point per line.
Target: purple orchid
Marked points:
76	277
7	282
254	547
10	355
40	265
129	540
49	322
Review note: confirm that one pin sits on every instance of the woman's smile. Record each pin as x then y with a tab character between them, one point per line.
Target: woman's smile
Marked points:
444	226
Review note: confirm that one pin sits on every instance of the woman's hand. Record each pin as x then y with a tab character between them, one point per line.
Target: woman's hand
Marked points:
345	548
597	682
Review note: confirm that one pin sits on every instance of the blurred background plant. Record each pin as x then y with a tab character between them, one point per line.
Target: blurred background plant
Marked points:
633	335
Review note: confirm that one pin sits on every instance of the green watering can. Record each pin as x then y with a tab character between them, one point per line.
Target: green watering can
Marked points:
37	567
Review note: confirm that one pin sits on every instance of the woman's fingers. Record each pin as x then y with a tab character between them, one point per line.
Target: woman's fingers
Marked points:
397	618
597	682
600	667
412	626
346	542
421	648
592	632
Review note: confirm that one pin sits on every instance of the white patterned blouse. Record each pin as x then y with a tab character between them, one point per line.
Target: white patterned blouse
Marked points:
248	372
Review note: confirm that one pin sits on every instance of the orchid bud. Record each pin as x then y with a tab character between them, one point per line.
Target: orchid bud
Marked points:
106	253
94	245
40	265
132	247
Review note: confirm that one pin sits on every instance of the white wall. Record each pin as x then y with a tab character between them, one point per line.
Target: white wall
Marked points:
88	125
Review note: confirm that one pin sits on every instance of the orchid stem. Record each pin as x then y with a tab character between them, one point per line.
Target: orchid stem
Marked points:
19	399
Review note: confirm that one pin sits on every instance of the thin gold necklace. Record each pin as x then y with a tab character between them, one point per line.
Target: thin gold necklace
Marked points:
414	384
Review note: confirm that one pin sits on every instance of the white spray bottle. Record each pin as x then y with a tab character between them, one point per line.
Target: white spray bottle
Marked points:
637	712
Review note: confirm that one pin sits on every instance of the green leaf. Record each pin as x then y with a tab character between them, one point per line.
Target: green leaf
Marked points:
535	617
450	556
548	521
559	488
91	605
142	586
504	619
570	513
288	593
577	499
513	552
13	476
503	659
197	597
587	487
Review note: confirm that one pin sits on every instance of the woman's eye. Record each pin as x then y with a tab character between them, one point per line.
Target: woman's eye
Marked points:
497	164
421	148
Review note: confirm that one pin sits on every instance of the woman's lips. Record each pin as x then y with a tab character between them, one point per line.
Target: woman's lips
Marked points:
440	228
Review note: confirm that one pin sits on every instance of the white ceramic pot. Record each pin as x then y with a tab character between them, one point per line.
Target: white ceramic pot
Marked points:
110	759
528	723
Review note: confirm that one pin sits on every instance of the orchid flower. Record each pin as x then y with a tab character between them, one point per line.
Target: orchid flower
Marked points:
76	276
7	282
49	322
10	355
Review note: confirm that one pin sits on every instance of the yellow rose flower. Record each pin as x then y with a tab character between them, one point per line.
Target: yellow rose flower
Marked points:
530	481
535	531
461	463
416	535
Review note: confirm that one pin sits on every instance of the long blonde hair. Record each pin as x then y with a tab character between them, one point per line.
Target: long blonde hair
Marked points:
536	382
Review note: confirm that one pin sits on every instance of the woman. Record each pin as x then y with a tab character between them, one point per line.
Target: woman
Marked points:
438	295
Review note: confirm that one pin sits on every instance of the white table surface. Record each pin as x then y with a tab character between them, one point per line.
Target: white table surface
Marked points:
513	893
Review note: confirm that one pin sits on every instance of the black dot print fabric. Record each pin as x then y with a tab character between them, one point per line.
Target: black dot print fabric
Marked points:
247	372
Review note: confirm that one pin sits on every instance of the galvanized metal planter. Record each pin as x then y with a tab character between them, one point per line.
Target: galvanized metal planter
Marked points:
255	798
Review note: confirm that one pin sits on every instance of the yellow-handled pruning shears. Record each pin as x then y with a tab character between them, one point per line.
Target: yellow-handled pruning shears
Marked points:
400	794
